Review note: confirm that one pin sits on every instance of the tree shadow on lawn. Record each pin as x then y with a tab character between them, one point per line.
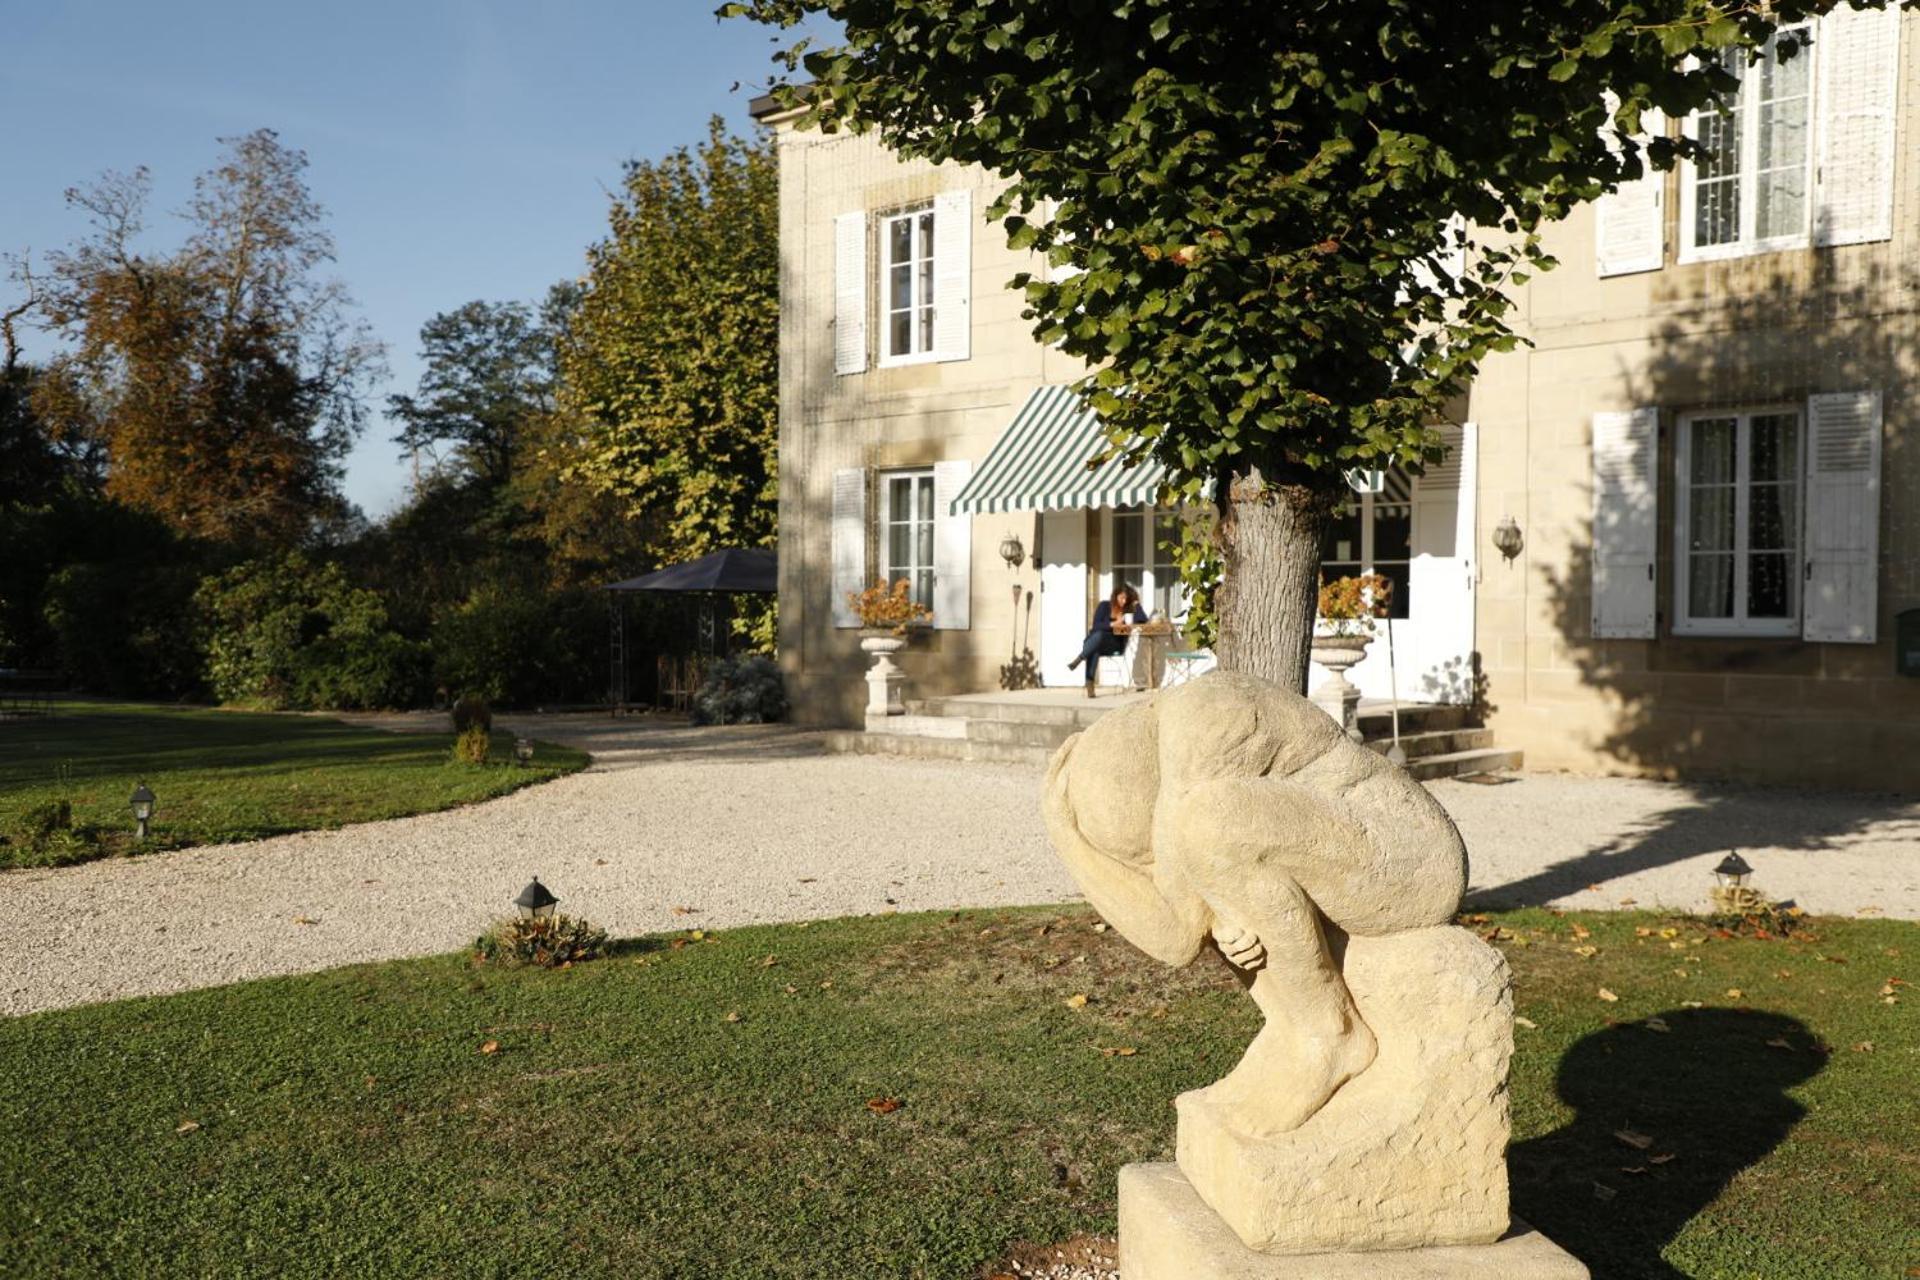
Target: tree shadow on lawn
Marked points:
1711	1094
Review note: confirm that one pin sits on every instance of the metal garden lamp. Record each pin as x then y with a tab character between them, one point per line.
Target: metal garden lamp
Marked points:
523	750
1012	550
1732	871
142	804
536	902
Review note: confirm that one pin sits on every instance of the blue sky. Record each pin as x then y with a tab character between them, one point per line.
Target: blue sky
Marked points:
462	150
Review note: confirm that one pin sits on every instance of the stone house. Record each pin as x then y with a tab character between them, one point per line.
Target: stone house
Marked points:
1706	450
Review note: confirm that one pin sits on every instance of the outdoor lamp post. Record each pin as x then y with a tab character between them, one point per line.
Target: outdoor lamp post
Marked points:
1506	537
523	750
1012	550
1732	871
142	803
535	901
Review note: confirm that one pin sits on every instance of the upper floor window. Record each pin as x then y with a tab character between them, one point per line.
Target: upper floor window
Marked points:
1753	191
1738	524
906	267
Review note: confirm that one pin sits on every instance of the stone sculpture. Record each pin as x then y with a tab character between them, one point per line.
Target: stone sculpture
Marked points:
1369	1114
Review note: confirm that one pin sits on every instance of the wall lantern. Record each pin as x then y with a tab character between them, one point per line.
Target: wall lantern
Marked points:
523	751
535	902
142	804
1506	537
1012	550
1732	871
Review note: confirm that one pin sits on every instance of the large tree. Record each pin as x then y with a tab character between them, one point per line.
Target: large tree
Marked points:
669	357
1268	202
488	375
223	379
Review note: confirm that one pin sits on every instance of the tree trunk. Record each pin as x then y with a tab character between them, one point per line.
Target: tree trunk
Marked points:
1271	528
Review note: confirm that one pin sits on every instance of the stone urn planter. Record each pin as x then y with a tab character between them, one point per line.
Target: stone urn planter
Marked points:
1336	695
886	682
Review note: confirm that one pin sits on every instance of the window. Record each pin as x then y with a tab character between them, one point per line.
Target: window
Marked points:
1373	533
1753	193
906	531
1737	524
906	273
1140	546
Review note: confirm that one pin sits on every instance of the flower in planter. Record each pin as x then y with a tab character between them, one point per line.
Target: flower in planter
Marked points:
884	608
1348	606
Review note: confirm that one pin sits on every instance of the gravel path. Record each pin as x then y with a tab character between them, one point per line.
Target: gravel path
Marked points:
676	828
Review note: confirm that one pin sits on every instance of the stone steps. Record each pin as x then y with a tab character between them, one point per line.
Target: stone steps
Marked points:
1440	741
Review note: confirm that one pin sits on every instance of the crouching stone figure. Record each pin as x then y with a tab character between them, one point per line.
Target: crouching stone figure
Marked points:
1370	1112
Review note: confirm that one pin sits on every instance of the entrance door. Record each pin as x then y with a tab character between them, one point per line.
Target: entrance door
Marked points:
1418	534
1063	594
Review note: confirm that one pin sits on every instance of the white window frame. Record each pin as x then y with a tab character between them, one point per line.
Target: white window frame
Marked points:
922	286
917	515
1364	500
1145	576
1748	110
1684	623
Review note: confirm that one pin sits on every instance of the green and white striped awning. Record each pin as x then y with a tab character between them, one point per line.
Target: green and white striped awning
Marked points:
1040	463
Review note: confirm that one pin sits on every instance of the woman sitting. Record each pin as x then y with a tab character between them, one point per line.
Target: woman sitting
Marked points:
1112	620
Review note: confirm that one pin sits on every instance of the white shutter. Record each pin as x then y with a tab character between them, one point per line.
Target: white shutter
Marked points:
850	293
1629	224
1841	602
953	275
1625	497
1854	84
952	549
849	541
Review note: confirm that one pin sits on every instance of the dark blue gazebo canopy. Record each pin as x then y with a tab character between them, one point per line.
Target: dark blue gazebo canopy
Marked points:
735	570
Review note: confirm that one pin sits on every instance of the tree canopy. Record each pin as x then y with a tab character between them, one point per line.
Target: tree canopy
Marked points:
1295	222
489	373
223	380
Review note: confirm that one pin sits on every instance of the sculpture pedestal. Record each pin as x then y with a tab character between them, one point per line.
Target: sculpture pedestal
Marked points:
1168	1233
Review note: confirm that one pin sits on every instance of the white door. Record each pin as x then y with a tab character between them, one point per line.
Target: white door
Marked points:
1419	535
1063	594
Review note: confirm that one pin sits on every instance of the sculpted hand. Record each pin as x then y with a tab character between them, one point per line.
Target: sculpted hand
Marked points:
1239	946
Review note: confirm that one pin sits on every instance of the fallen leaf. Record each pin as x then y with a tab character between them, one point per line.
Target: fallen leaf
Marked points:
1691	1004
1830	959
1657	1024
1627	902
883	1106
1588	952
1077	1001
1101	926
1594	888
1865	1046
697	934
826	984
1660	1159
371	1081
490	1047
1783	973
1735	993
1117	1051
684	911
1669	933
305	920
1676	946
1638	1141
1892	987
808	879
1581	931
1633	1168
1643	933
186	1126
791	990
1528	1023
678	944
733	1015
770	961
1608	996
1681	973
1780	1042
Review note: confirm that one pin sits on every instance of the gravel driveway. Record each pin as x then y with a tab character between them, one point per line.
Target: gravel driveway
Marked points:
678	828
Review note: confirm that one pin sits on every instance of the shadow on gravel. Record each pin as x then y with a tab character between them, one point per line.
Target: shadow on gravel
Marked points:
1711	819
1708	1099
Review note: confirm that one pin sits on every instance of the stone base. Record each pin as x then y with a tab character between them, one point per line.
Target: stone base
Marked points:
1168	1233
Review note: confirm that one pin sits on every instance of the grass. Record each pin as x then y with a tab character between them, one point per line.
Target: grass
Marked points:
229	775
699	1105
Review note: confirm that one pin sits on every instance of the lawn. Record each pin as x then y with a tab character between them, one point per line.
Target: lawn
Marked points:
711	1105
229	775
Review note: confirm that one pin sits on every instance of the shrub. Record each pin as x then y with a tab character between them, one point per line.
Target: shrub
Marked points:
520	647
472	746
550	943
743	690
43	819
472	712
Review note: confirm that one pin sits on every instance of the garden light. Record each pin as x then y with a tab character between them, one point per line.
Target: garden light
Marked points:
1732	871
535	902
1506	537
1012	550
523	750
142	803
